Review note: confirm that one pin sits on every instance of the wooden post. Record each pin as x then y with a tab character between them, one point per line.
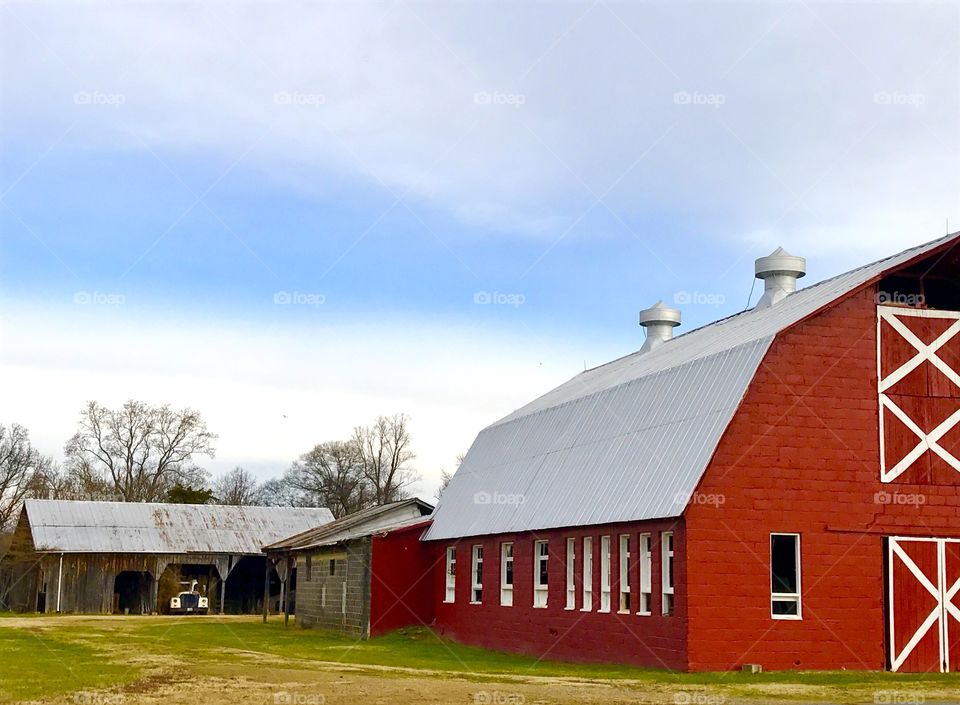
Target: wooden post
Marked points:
223	584
266	589
286	595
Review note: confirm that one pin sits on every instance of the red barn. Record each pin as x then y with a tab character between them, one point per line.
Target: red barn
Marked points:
778	488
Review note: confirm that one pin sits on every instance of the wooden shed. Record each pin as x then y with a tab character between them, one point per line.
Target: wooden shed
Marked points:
122	557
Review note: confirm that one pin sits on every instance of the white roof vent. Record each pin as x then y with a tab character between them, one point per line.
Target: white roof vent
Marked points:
779	272
659	321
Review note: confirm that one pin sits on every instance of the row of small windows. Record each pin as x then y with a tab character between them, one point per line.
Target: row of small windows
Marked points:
541	562
785	600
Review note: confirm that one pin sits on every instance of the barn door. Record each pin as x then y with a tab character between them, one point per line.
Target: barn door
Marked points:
918	372
923	585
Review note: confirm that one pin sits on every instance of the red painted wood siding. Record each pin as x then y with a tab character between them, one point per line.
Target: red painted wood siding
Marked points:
402	580
802	455
655	641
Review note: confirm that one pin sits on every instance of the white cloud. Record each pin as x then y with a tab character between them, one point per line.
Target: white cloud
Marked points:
799	143
271	392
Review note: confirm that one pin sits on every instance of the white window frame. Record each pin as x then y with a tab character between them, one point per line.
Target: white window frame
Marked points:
645	550
787	597
476	570
605	558
587	569
571	574
667	607
541	554
623	558
506	588
450	595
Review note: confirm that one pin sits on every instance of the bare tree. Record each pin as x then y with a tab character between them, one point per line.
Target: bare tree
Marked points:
140	450
20	464
331	475
445	477
237	487
277	492
384	450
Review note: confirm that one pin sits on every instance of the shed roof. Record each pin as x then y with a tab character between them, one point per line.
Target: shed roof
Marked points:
132	527
385	517
628	440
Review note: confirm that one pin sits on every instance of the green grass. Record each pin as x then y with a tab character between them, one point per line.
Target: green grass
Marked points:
69	656
421	648
34	664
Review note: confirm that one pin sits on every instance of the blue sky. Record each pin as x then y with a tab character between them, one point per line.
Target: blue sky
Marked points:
169	169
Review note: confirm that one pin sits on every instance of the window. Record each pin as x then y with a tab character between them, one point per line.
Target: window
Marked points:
333	566
571	581
646	570
451	573
506	574
785	576
666	555
587	574
309	567
541	552
624	559
476	570
604	573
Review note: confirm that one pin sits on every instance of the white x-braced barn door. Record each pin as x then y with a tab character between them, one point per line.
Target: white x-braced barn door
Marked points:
923	582
918	368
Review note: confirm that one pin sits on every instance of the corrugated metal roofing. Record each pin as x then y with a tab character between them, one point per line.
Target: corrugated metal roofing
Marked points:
133	527
628	440
385	517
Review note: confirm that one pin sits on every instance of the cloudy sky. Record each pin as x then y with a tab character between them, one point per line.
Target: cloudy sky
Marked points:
297	216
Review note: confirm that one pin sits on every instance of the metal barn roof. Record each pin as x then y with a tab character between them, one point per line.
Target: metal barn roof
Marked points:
368	521
628	440
134	527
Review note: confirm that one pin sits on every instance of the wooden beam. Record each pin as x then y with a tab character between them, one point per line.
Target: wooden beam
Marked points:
286	596
266	589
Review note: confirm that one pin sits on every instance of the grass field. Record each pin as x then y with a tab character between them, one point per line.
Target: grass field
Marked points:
214	660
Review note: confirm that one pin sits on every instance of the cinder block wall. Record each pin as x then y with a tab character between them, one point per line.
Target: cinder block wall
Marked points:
320	595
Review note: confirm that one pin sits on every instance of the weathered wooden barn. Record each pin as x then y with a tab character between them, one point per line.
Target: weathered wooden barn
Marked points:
779	488
364	574
109	557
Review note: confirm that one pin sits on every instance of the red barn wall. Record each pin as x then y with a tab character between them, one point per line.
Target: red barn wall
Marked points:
553	632
402	580
802	456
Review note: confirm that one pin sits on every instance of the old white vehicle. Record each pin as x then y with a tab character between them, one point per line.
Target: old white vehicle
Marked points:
189	601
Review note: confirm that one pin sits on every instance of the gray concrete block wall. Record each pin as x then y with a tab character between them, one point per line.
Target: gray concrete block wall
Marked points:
352	615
